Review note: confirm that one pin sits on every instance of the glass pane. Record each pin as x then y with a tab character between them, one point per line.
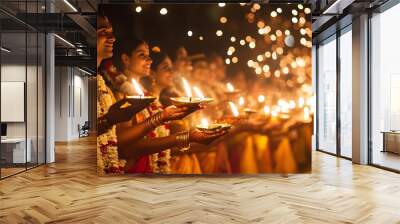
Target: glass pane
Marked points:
13	85
41	99
346	94
314	84
31	97
327	96
80	101
385	89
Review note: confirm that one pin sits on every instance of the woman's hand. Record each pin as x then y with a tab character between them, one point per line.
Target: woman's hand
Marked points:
176	113
117	114
204	138
256	122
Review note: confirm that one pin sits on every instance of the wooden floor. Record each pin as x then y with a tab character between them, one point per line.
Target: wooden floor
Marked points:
387	159
10	171
69	191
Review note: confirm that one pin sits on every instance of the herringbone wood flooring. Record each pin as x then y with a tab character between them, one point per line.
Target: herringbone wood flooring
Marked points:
70	191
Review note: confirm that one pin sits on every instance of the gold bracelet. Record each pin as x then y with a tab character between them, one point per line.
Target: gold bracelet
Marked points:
157	119
183	141
154	121
147	123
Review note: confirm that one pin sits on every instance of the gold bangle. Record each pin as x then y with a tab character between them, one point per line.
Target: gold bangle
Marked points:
183	140
156	121
153	121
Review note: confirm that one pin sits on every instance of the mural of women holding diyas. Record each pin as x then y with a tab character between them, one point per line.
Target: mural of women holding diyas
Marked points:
109	111
150	154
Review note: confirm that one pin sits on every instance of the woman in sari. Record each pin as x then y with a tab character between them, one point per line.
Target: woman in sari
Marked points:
109	111
181	162
150	154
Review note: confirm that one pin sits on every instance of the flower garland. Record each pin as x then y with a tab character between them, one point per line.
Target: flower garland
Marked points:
107	150
159	162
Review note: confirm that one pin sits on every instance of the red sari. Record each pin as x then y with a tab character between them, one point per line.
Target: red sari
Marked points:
157	162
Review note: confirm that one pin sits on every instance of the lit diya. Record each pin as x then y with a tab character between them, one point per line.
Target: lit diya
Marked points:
225	126
206	127
141	98
211	128
241	101
189	100
249	111
234	109
281	111
230	89
284	116
235	118
277	114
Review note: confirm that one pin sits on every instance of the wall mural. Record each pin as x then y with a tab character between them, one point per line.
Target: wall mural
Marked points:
204	88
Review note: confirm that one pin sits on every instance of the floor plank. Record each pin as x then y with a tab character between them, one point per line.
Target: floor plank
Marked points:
70	191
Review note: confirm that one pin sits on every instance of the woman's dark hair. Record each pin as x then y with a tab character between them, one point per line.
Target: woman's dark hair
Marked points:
124	45
158	57
166	94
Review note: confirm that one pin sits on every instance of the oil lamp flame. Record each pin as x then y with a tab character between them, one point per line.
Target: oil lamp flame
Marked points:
241	101
186	86
234	109
204	122
230	87
198	92
138	89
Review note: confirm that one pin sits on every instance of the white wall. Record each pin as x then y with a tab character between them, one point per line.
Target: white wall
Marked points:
14	73
61	104
80	110
71	102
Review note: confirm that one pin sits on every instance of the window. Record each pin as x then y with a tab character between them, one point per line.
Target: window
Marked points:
23	89
346	93
327	96
385	89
